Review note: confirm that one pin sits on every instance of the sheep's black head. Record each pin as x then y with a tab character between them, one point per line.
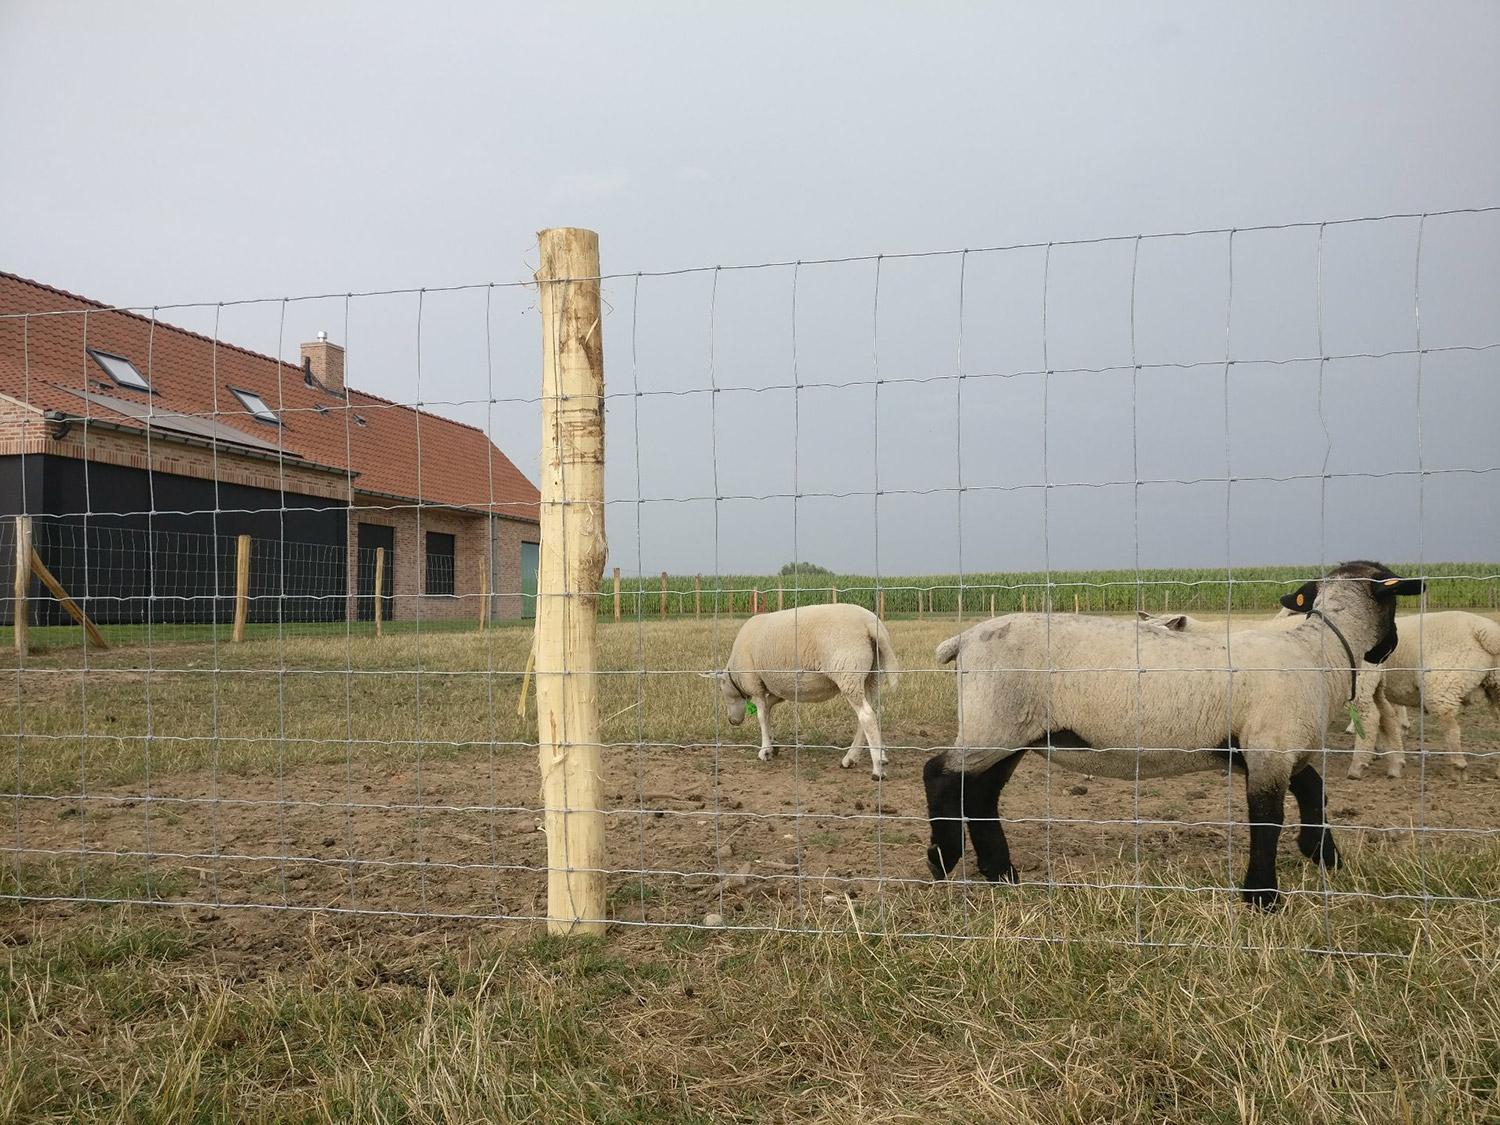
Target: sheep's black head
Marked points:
1383	585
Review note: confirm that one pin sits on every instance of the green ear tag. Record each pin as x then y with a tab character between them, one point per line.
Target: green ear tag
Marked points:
750	707
1359	727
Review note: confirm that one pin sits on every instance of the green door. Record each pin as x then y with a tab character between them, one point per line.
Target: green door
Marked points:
528	579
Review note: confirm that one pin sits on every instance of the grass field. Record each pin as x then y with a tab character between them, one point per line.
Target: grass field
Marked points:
820	1000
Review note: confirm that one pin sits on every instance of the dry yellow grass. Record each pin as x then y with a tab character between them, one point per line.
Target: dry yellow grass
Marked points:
165	1014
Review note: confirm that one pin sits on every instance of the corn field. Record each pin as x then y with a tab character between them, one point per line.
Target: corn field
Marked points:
1208	590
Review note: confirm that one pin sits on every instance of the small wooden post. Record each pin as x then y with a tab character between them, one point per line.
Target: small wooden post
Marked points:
664	595
572	561
1023	602
880	604
22	614
697	595
617	593
833	594
242	587
1075	603
919	603
780	593
992	603
484	596
39	568
754	601
379	588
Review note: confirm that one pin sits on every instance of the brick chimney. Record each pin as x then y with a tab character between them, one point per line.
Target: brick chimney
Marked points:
324	362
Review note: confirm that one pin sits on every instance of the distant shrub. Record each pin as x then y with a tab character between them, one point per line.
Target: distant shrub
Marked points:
803	568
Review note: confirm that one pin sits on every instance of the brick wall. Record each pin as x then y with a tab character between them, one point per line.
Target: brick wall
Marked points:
471	555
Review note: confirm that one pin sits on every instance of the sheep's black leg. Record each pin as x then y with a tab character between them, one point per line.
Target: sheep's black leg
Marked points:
1267	810
982	812
944	815
1315	839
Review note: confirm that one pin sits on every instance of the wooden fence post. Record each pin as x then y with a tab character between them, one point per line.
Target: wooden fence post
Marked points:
664	595
55	588
242	587
880	604
379	585
992	603
1023	602
484	596
22	615
1075	603
572	561
754	601
617	593
697	595
833	594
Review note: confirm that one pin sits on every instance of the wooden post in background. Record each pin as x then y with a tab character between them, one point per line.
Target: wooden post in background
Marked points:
880	604
697	595
1023	602
1075	603
992	603
572	561
833	594
22	615
379	586
484	596
242	587
664	595
55	588
617	593
754	601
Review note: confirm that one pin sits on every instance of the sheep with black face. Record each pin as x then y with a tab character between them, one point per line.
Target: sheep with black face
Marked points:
1110	698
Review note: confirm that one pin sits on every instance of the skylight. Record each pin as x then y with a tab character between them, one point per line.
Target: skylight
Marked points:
256	406
121	370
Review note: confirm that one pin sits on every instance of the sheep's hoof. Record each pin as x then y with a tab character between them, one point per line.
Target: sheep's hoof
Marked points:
1009	875
845	764
1355	774
765	755
935	863
1317	844
878	776
1262	898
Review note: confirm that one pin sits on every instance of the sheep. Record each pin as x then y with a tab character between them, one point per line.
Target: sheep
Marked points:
1440	663
1107	697
808	655
1286	619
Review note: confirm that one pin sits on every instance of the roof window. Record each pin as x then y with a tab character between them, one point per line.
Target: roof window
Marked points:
121	371
256	406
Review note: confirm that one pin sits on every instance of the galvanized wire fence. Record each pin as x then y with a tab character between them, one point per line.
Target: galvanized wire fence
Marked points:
954	434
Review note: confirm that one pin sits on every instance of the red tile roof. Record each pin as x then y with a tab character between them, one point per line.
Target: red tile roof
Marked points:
43	363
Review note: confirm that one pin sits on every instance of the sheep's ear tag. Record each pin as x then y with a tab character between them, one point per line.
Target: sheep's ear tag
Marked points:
750	708
1355	721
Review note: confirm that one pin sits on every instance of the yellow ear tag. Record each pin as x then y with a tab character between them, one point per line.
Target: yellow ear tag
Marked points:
1300	599
1390	582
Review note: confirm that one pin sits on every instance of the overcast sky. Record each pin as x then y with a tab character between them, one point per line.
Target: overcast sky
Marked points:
162	153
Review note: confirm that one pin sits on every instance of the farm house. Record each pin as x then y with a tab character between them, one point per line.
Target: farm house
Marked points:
142	452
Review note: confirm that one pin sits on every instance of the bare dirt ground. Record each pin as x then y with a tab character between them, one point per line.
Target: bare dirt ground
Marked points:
690	831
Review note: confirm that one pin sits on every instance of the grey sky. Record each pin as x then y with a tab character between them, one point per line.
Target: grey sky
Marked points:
187	152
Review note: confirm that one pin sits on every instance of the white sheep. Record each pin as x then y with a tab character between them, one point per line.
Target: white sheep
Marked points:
807	655
1106	697
1441	662
1364	702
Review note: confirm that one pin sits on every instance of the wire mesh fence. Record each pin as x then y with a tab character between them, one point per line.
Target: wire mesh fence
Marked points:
1073	431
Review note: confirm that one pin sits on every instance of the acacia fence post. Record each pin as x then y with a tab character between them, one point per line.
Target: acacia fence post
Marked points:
242	586
697	595
21	618
379	585
573	551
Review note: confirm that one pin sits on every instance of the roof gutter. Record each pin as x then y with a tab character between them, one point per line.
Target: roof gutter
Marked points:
65	422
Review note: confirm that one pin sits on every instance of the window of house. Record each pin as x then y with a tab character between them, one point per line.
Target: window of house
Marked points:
256	406
121	370
439	563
